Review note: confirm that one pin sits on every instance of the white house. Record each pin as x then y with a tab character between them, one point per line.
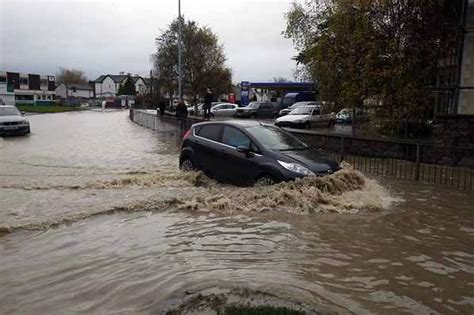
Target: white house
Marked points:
141	87
105	86
108	85
74	90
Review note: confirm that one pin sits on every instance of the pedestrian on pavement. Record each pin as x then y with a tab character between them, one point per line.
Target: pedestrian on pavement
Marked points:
208	98
162	107
181	114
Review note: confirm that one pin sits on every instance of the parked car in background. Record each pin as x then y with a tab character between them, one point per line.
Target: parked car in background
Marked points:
258	110
224	110
12	121
346	115
286	111
248	152
292	98
192	110
306	117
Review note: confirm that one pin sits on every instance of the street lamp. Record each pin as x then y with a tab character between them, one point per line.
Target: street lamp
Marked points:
180	73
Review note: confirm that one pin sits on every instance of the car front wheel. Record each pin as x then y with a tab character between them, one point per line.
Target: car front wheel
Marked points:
187	165
265	180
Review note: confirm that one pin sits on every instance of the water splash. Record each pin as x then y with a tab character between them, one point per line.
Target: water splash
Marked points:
345	192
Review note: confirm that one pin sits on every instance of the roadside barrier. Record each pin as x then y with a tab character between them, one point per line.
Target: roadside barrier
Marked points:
416	161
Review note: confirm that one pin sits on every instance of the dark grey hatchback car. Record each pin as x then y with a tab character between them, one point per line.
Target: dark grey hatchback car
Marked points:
247	153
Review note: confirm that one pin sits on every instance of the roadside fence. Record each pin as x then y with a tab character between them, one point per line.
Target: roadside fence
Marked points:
424	162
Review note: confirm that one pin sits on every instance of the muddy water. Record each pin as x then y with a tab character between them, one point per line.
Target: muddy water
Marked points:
184	243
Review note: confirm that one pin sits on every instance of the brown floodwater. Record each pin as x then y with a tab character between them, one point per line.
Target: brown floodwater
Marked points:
181	242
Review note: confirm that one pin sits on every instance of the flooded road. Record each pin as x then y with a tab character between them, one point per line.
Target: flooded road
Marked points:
180	242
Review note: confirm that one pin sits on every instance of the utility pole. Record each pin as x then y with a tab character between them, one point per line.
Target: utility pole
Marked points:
180	72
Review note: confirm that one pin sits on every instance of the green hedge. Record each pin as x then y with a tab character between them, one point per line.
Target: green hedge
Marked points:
45	109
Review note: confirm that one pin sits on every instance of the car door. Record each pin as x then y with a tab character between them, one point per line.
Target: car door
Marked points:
231	110
315	115
224	110
262	110
240	168
207	148
217	110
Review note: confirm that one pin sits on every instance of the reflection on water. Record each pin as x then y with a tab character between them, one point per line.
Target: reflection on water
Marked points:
415	256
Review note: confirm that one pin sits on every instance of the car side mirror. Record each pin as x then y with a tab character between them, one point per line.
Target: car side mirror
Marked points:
22	113
243	149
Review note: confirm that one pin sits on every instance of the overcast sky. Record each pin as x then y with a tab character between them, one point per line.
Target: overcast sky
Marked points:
105	36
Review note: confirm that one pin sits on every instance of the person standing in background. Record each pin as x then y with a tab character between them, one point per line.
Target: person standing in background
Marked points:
181	114
208	98
162	107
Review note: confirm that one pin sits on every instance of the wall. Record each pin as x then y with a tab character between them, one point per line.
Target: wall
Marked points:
80	93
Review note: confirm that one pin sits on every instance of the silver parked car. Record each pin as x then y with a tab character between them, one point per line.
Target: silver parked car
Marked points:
12	121
224	110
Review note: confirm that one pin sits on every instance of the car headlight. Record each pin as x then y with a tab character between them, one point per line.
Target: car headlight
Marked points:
297	168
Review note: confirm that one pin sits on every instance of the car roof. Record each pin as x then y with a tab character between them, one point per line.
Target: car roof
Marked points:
225	104
7	106
235	123
308	106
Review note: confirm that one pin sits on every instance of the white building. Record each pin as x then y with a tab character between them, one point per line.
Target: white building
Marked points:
26	88
108	85
74	90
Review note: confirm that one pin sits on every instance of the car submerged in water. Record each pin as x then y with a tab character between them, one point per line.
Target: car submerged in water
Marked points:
12	121
248	153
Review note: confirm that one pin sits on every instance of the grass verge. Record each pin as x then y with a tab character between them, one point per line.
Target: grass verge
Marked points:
46	109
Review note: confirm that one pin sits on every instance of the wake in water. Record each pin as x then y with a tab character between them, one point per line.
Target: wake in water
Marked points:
347	191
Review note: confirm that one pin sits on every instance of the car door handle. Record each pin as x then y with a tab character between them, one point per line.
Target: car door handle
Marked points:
223	152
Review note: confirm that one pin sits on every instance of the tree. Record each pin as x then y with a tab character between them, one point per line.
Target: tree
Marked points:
70	76
203	60
386	52
128	87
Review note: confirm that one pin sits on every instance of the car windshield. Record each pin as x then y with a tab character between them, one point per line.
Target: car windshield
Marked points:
9	111
296	105
253	105
302	111
273	138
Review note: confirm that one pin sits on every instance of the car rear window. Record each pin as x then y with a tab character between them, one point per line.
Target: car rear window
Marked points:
210	132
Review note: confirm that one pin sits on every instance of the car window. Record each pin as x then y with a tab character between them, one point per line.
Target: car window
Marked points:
301	111
234	137
253	105
316	111
210	132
